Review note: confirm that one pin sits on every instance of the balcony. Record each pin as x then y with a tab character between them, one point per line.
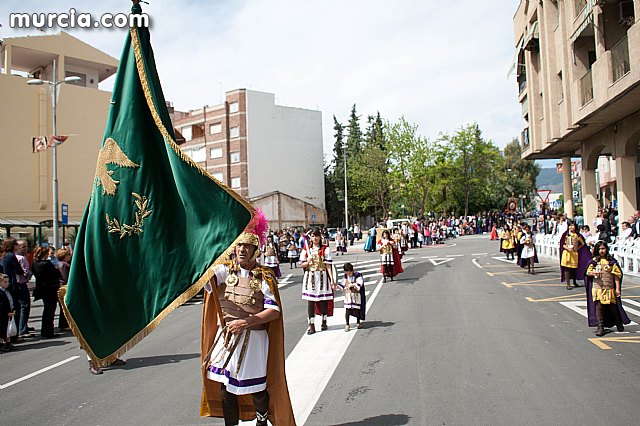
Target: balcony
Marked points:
620	59
586	88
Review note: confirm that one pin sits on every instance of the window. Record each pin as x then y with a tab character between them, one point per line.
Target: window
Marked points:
218	176
215	153
235	157
234	132
199	155
235	182
187	133
215	128
233	107
560	87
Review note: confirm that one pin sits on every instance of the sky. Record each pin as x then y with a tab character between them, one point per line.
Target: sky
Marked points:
440	64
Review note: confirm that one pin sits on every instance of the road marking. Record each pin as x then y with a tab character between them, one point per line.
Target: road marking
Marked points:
455	255
581	308
437	262
475	262
323	351
502	259
511	285
479	254
599	341
28	376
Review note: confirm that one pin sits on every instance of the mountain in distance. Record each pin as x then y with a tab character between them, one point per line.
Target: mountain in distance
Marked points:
549	179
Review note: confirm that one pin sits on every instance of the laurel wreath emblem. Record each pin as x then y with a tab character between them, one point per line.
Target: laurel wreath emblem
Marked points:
115	227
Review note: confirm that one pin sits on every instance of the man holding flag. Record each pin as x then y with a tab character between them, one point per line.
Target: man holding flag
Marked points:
243	339
147	197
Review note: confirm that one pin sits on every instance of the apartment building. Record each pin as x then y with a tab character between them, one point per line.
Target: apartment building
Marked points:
577	67
266	152
27	111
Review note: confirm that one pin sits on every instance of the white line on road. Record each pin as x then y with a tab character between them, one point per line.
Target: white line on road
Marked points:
323	351
28	376
475	262
580	307
479	254
455	255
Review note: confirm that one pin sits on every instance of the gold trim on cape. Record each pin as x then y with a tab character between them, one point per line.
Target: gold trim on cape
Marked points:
206	276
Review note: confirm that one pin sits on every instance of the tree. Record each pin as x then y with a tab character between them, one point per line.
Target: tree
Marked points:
354	135
521	174
474	161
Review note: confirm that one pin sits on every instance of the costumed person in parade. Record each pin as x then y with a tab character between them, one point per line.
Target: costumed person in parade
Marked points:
292	253
318	281
354	295
603	284
270	250
370	244
283	243
506	242
385	247
403	242
341	243
517	234
574	256
528	255
242	346
494	232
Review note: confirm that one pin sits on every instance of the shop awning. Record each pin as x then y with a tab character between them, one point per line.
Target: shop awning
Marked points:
514	62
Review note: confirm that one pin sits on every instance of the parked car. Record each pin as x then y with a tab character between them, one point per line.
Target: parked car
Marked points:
332	233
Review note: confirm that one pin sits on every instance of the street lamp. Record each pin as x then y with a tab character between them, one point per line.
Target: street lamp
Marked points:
346	204
54	92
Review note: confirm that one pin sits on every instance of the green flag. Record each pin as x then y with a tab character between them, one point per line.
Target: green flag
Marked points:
155	224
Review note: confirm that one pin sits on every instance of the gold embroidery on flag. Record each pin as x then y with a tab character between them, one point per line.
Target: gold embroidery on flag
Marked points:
111	153
114	226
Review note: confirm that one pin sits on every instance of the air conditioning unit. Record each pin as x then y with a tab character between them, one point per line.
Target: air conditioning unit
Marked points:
625	12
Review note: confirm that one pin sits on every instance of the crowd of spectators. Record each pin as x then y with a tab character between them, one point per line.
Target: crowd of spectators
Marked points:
19	268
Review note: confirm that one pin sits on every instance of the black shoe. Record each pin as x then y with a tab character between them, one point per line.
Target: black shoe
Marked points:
31	329
50	336
311	329
600	332
94	369
323	327
620	327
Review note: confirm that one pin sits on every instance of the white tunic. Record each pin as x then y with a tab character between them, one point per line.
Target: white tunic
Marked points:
251	377
316	285
352	299
385	258
528	251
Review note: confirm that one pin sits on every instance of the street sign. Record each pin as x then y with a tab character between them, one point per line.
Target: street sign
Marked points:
313	217
543	194
65	213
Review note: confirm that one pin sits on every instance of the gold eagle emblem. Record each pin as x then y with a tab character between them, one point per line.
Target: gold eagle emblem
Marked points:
111	153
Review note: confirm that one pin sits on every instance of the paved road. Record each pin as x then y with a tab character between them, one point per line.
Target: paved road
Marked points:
461	338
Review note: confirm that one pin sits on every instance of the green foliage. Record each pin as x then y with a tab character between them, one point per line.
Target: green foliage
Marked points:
391	165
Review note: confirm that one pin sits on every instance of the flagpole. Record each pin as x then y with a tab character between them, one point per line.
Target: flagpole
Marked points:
55	154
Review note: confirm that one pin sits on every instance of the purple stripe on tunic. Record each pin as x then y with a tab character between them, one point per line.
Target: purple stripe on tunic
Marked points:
317	295
235	382
270	302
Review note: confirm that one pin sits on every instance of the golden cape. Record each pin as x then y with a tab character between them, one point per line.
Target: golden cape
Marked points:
280	411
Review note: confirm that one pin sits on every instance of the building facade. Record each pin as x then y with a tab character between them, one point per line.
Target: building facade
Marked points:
257	147
577	64
27	111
